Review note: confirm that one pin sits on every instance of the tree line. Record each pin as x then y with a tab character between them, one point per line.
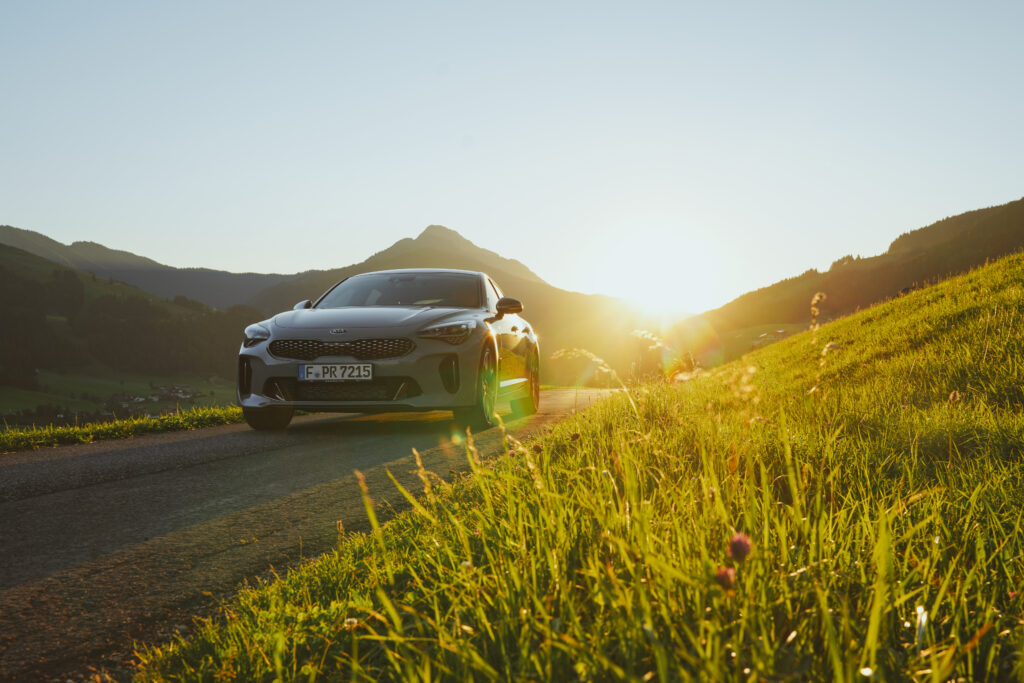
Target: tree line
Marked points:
53	324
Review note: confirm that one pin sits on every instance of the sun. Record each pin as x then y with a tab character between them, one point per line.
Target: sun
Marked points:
674	290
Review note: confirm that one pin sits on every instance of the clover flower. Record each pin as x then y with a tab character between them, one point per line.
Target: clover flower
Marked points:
725	577
739	546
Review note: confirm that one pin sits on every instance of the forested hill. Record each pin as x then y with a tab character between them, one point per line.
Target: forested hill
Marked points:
59	318
926	255
216	288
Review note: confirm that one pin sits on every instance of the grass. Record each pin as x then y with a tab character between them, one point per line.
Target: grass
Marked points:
88	390
23	438
873	465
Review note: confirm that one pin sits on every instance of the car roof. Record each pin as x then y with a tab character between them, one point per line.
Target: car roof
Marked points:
424	270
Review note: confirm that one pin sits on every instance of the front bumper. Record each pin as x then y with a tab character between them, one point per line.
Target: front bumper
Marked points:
434	376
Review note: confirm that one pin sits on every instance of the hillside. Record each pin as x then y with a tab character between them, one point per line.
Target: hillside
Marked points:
563	319
926	255
60	321
602	325
216	288
843	505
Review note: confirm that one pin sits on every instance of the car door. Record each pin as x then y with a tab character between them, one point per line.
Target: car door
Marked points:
510	334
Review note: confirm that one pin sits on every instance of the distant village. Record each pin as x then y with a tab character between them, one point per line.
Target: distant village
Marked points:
174	392
159	400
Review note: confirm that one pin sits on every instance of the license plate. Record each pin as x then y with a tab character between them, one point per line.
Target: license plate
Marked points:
336	372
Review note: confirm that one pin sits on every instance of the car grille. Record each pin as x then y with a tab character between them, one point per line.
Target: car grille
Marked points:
363	349
379	389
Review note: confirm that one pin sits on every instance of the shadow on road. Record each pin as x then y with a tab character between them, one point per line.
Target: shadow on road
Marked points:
440	423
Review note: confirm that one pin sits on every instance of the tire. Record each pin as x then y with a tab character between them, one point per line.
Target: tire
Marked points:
268	419
528	406
480	415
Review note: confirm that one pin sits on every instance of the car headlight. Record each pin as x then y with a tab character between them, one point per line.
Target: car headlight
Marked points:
452	332
256	333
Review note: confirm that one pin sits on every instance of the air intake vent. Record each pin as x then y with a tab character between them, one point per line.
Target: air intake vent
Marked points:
449	370
244	375
362	349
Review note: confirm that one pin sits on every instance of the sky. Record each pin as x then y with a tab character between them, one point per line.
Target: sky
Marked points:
676	154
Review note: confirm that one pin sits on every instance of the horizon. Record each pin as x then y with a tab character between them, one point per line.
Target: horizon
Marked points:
695	153
667	315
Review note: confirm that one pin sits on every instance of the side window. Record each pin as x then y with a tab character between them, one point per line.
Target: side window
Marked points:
493	294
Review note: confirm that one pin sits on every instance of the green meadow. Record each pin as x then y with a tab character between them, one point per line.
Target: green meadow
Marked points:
843	505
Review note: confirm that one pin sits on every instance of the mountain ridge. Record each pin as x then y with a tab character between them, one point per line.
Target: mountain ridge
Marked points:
435	247
216	288
599	323
572	319
924	255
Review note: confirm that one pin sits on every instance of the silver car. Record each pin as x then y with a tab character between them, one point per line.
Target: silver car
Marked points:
393	340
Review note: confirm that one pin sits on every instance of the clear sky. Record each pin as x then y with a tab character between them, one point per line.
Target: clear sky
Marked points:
683	152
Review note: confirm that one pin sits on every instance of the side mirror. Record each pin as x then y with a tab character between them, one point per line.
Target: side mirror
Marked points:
305	303
507	304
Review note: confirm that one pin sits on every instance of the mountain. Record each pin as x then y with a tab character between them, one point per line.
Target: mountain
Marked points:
62	319
216	288
436	247
600	324
948	247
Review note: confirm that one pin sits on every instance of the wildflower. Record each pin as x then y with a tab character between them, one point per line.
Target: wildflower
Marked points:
954	397
739	547
725	577
467	565
511	452
351	623
537	448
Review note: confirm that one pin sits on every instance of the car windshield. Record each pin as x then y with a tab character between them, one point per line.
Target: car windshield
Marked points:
459	290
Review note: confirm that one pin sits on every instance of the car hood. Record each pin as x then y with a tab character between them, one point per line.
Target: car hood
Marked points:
353	317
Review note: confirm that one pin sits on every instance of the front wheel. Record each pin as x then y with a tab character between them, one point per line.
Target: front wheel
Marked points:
268	419
480	415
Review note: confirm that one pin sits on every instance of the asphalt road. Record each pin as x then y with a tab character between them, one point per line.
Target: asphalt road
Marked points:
106	544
